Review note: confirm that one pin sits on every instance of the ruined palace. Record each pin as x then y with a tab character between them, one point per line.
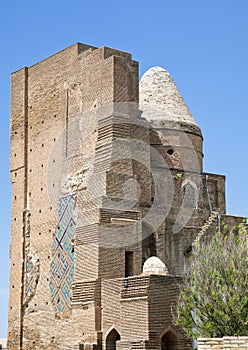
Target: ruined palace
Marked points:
108	196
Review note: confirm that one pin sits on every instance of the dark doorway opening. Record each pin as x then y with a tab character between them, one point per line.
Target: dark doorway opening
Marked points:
128	264
111	340
169	341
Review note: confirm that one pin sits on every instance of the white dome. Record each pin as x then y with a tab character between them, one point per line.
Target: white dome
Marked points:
160	98
154	266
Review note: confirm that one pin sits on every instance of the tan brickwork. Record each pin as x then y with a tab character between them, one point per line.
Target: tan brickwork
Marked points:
225	343
97	189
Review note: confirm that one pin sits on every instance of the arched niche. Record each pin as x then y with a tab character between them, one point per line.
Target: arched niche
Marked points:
190	194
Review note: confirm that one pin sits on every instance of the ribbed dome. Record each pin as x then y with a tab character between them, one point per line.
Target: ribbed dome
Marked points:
160	98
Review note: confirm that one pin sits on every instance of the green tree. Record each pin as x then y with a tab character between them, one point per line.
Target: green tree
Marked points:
213	300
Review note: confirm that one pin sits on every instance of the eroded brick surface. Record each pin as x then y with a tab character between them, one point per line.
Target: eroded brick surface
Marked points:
97	189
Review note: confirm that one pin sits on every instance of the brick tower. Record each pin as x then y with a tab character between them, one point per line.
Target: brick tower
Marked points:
108	195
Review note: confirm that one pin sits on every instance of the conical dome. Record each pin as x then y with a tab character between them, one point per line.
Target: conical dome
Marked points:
160	98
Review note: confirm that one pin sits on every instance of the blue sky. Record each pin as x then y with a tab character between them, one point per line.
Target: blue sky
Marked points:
203	44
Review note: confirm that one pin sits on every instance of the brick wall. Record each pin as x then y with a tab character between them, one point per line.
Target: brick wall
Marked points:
225	343
96	190
46	99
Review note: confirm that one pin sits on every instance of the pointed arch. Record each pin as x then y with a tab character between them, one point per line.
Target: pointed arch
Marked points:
169	340
190	194
112	337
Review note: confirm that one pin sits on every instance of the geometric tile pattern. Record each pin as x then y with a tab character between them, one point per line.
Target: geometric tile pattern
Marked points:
62	264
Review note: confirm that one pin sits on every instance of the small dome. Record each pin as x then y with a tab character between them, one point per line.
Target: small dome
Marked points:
160	98
154	266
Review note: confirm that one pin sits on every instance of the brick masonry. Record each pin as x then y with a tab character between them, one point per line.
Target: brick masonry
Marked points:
225	343
97	189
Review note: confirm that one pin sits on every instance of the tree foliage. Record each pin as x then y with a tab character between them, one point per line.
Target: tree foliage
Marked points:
213	300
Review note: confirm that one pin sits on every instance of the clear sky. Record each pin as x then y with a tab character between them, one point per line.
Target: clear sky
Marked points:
203	44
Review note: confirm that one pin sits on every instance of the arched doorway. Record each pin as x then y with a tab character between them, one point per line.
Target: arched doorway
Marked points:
111	339
169	341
